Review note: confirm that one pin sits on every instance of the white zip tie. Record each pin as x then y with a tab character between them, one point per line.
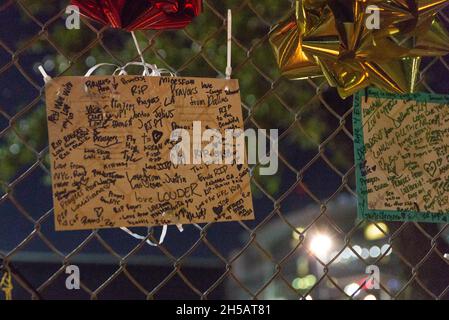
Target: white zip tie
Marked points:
229	42
139	237
161	239
140	54
95	67
46	77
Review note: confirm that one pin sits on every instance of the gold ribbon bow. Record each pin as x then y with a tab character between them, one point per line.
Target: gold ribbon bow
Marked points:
338	39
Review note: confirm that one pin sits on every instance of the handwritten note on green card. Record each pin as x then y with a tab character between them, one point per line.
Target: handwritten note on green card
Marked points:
402	156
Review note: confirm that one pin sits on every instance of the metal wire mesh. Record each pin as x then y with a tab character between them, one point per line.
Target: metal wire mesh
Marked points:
268	258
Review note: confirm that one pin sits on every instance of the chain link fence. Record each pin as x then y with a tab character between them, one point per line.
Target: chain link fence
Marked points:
306	242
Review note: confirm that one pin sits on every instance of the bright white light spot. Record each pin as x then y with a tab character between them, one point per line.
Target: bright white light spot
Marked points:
320	245
352	289
386	248
365	253
374	252
358	250
370	297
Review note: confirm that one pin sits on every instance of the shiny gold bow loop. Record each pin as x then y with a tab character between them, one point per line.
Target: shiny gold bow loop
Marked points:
338	39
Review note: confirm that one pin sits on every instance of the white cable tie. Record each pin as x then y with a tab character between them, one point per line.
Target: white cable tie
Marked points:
229	46
139	237
46	77
136	43
99	65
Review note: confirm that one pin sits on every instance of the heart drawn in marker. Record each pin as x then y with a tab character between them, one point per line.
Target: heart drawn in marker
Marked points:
157	135
430	168
99	211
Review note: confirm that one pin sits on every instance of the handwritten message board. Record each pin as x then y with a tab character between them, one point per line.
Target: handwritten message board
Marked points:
110	152
402	158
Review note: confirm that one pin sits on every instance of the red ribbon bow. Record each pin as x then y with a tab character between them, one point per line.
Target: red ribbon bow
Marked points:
141	14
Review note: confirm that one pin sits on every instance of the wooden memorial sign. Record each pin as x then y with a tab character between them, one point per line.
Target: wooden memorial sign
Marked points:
402	156
110	143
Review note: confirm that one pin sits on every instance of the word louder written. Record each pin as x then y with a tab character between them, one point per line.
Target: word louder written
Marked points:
110	143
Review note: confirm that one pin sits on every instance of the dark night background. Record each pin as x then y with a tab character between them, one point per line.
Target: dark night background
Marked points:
307	123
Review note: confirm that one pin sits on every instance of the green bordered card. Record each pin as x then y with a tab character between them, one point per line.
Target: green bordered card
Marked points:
401	145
